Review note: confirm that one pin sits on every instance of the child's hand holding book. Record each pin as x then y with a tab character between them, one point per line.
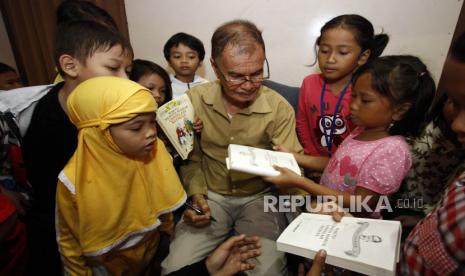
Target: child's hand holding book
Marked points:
286	179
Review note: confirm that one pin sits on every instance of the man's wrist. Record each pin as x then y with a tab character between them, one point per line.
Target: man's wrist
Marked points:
196	197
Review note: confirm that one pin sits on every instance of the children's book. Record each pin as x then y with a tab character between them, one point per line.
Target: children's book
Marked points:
176	119
259	161
368	246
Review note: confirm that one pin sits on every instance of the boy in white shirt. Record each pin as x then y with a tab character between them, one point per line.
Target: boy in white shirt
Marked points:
184	54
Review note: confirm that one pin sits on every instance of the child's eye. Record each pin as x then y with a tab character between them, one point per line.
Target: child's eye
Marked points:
135	127
111	68
343	53
366	100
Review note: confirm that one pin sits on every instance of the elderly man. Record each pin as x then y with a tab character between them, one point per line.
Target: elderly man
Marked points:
235	109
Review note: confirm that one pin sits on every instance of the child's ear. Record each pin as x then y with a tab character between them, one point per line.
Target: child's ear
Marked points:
69	65
400	111
363	58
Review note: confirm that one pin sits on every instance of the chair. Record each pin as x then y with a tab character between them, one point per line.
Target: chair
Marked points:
290	93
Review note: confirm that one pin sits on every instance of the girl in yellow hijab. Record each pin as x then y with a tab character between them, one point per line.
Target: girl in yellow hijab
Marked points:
119	188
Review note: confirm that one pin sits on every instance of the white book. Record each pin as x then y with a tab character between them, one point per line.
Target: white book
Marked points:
368	246
176	119
259	161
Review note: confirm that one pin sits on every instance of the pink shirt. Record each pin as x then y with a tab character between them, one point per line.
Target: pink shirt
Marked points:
309	122
378	166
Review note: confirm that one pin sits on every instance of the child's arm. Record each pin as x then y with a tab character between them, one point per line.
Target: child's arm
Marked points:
288	178
314	163
67	222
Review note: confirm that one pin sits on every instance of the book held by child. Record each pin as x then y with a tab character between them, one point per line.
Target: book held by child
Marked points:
176	119
259	161
368	246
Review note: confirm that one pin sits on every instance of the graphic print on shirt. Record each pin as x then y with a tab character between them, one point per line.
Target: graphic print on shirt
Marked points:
349	171
324	126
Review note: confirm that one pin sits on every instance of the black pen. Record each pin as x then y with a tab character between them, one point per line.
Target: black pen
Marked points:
198	211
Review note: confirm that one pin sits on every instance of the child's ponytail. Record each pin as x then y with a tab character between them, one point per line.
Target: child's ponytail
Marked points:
379	42
423	89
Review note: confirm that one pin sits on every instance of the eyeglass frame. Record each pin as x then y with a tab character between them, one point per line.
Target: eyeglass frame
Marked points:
244	79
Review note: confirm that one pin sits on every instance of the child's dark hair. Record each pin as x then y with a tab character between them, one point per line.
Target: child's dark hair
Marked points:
363	31
436	114
81	39
77	10
142	67
5	68
186	39
402	79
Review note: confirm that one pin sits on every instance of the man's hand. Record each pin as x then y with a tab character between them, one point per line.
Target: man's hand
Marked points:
194	219
231	256
285	179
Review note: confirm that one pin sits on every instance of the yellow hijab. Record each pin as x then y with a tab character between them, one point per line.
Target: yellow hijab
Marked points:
117	197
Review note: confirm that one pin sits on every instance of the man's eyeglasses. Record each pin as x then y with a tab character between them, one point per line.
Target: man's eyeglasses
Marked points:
243	79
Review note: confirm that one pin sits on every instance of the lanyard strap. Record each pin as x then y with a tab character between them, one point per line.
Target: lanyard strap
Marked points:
329	138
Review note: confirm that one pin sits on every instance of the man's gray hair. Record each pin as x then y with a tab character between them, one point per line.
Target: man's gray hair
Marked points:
237	32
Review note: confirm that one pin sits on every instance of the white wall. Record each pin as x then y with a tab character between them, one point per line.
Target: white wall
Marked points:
6	54
419	27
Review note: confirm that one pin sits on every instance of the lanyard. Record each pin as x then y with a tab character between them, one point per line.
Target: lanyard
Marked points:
329	138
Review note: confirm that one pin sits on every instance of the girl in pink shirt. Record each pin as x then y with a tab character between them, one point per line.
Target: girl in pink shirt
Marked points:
345	43
390	99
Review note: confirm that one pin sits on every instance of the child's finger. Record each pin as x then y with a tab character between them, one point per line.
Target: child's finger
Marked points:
318	263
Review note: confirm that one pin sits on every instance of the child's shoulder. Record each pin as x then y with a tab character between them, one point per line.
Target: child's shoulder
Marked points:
395	145
315	79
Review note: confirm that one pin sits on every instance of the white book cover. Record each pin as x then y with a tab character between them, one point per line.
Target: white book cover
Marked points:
368	246
176	119
259	161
